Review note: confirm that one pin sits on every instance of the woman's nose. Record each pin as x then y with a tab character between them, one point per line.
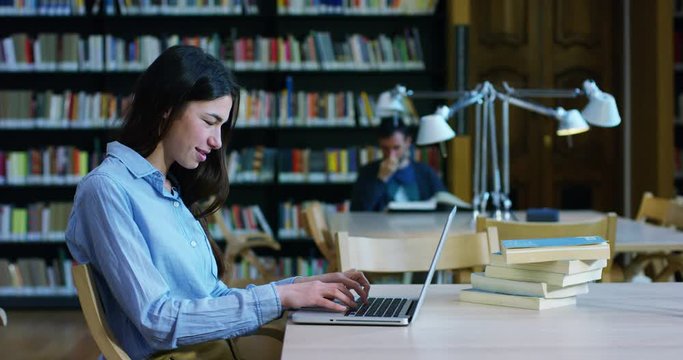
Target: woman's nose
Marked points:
215	140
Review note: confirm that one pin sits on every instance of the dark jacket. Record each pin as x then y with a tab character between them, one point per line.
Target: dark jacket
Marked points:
370	193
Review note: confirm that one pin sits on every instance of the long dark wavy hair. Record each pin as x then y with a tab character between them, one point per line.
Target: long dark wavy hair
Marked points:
182	74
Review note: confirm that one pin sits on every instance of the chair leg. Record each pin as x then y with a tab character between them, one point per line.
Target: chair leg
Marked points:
673	266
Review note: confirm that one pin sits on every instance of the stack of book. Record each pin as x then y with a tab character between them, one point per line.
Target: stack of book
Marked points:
539	273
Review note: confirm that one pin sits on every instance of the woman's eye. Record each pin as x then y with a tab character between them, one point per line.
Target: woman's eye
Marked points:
208	122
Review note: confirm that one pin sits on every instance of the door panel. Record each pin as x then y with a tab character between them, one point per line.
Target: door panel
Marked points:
551	44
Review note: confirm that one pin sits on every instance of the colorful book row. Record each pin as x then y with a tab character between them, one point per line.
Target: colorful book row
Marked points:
356	7
52	165
35	222
242	219
26	109
42	7
283	267
66	165
316	51
291	217
35	275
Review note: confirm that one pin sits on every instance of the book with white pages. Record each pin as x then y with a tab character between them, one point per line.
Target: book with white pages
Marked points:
555	279
525	288
524	302
561	266
441	197
555	253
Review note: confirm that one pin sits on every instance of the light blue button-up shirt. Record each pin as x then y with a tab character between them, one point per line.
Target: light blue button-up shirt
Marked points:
153	265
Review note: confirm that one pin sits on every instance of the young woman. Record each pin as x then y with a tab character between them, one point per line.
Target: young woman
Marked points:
136	220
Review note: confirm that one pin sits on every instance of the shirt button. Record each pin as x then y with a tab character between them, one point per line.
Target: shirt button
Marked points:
176	204
193	243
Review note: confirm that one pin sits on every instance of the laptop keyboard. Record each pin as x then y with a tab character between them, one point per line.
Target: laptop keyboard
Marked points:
378	307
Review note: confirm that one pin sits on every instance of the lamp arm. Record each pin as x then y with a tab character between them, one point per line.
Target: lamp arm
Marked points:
464	102
437	94
524	104
542	93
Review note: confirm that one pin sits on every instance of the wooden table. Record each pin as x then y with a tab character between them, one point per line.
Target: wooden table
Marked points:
632	236
612	321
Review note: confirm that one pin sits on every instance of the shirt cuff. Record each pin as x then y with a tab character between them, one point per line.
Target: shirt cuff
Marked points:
268	305
287	281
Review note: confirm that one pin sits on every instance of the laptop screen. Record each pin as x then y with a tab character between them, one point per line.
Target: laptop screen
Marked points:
435	260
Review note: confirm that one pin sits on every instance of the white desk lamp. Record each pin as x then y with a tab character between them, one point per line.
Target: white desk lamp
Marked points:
601	110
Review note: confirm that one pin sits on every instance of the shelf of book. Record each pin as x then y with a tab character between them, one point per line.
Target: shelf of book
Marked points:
408	47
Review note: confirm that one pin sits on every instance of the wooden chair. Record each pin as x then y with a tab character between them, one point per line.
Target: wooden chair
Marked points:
605	227
316	227
266	343
653	209
392	255
674	261
675	216
3	317
243	245
94	314
664	212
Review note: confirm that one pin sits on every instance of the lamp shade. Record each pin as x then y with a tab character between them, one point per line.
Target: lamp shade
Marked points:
388	104
433	129
570	122
601	109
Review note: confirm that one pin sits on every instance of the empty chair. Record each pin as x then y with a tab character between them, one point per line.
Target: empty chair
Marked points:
391	255
605	226
675	216
316	227
674	261
653	209
665	212
94	314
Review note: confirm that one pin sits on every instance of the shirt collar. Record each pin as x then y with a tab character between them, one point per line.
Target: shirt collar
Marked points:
136	164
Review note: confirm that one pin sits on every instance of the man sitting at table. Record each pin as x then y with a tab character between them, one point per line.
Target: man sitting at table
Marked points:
396	177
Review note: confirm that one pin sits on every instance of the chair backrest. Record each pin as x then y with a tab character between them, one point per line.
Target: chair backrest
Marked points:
390	255
605	226
653	209
675	216
3	317
316	227
94	313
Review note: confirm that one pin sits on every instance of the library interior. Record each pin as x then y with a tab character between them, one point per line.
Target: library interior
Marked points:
483	178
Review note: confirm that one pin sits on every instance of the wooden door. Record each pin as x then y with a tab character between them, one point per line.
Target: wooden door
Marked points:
551	44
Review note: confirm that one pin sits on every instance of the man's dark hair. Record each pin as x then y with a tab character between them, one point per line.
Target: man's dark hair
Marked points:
389	125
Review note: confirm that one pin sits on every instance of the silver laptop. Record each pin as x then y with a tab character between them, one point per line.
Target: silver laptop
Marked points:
389	311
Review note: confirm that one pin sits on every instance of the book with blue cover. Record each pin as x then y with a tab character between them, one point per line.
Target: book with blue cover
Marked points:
542	242
526	251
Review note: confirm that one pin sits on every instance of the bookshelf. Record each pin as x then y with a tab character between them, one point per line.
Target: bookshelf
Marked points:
340	128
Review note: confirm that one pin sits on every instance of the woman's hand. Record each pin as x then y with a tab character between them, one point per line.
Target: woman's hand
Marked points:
351	279
315	293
